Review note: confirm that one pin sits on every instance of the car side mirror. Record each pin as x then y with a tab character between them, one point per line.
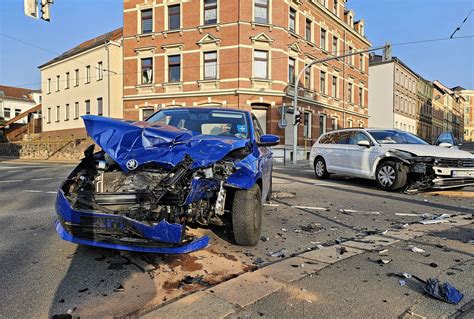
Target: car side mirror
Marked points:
268	140
446	145
364	143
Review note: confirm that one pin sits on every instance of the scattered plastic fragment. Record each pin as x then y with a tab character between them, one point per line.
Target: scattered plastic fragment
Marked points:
384	261
341	250
312	227
264	239
258	261
407	214
279	253
444	292
417	250
434	265
311	208
402	282
383	252
433	221
284	230
120	288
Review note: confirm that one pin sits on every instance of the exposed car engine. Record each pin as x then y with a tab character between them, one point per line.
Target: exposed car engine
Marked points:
150	193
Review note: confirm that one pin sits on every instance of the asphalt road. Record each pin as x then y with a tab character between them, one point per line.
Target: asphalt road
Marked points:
42	276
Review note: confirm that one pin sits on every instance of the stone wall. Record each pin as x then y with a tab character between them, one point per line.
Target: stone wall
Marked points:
61	150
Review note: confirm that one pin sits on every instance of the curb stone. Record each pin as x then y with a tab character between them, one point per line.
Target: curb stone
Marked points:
226	298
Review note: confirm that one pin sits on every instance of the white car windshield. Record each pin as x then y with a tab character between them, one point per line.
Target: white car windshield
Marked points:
396	137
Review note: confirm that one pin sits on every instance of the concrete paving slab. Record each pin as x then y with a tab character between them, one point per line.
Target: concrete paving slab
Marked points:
370	242
292	269
331	254
461	220
246	289
430	228
198	305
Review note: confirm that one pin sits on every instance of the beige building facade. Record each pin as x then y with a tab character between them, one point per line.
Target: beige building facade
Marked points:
85	80
392	95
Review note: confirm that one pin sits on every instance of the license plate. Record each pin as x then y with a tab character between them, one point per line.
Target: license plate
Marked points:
463	173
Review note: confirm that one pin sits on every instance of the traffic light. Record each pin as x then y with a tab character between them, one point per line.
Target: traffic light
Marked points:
387	52
45	4
31	8
297	117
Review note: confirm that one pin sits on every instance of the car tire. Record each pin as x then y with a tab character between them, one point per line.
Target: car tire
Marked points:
320	168
247	216
390	177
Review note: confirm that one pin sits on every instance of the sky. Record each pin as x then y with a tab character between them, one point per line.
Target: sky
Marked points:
397	21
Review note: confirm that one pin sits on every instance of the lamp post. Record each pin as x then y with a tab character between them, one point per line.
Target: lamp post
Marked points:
387	49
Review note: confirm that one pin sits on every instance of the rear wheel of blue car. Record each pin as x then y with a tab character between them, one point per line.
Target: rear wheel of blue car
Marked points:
247	216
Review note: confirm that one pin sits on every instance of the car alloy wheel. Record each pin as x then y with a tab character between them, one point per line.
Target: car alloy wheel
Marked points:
386	176
320	169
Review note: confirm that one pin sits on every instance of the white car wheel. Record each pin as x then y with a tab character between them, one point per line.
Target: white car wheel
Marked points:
386	176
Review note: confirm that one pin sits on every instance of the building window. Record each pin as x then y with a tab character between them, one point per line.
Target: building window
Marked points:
6	113
350	123
260	64
49	86
334	45
147	21
292	23
308	30
210	12
361	96
76	110
307	125
261	11
174	68
58	113
210	65
57	83
349	92
351	56
66	113
146	113
335	8
100	107
334	86
322	83
88	107
66	85
291	71
100	71
323	39
88	74
76	77
174	17
48	115
147	70
17	112
322	124
334	123
307	78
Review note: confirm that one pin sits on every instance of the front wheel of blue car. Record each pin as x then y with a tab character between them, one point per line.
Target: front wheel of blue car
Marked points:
247	216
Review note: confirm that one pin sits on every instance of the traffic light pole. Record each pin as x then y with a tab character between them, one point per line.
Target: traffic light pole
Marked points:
386	47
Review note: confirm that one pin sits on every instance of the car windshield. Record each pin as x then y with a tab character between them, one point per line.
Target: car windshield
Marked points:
396	137
205	121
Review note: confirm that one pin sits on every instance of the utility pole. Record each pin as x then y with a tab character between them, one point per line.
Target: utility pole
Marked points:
387	52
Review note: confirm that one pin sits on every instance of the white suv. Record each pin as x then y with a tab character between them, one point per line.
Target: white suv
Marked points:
393	158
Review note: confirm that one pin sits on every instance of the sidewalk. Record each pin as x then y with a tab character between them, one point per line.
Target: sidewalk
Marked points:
9	160
347	280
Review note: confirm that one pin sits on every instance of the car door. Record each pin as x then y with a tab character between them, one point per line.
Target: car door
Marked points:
360	156
327	148
340	155
264	161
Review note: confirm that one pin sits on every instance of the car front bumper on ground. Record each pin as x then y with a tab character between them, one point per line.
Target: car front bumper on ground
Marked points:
120	232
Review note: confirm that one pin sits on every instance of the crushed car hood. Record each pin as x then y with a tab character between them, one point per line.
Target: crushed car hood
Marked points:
143	142
429	150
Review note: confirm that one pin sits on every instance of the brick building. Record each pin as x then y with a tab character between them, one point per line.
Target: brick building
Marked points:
246	54
468	96
424	109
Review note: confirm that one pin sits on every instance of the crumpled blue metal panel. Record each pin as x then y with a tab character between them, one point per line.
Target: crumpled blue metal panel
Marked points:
200	189
163	232
165	145
197	244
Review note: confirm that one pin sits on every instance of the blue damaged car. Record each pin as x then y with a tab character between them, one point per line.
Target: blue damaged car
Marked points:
152	178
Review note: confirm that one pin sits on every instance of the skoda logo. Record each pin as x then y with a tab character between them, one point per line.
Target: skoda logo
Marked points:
132	164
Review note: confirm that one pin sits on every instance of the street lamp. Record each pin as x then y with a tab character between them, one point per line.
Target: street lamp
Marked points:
387	52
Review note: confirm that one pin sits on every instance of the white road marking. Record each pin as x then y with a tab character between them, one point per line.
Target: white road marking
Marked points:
17	171
12	181
309	207
51	192
41	179
32	191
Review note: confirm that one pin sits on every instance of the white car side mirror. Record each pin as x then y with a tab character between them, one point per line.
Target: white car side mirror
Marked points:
446	145
364	143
